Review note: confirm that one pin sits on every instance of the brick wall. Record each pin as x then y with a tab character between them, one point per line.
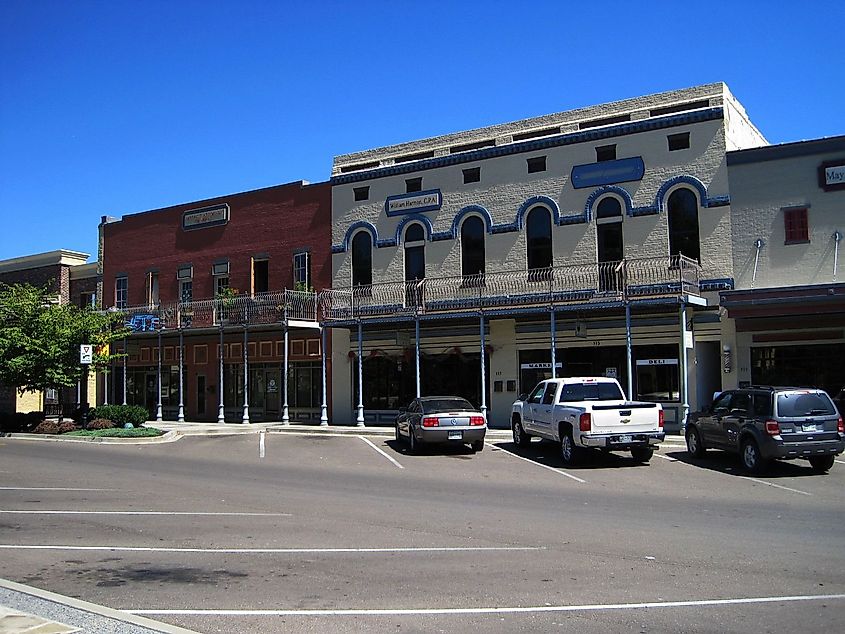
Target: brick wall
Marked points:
273	222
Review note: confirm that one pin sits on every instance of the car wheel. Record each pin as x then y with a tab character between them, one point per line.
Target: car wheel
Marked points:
520	438
413	444
396	432
694	446
642	454
751	458
477	446
568	451
821	464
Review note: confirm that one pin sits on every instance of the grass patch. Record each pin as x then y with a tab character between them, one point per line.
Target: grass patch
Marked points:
137	432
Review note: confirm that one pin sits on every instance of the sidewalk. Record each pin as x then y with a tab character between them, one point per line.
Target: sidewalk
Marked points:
32	610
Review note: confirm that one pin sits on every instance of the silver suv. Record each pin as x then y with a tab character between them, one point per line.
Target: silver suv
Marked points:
762	423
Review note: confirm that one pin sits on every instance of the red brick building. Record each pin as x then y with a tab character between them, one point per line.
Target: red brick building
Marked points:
240	269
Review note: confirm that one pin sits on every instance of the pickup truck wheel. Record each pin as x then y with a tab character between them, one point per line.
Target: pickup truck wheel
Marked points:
694	446
568	451
751	458
821	464
520	438
642	454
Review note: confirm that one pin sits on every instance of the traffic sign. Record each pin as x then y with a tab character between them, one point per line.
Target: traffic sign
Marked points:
86	353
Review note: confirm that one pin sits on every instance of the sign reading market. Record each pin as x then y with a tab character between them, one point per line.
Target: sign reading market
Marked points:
415	202
205	217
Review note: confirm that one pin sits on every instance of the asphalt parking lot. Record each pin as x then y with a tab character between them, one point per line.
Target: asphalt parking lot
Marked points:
349	533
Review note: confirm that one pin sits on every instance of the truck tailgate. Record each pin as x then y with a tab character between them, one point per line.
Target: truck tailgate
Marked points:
625	417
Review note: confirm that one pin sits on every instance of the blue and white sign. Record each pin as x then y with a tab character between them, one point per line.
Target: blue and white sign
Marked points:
143	323
608	172
414	202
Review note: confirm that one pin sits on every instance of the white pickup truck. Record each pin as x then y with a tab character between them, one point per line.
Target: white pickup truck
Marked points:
587	412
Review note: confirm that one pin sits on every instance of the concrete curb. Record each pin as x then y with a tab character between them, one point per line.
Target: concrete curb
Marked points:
100	610
168	436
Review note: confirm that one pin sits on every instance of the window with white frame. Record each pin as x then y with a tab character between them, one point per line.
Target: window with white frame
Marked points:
121	292
301	271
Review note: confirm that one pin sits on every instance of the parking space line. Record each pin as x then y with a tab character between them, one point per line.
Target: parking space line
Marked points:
840	461
777	486
62	512
537	464
498	610
51	489
669	458
280	551
366	440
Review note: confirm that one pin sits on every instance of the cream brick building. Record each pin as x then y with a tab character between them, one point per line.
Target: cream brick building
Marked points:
450	236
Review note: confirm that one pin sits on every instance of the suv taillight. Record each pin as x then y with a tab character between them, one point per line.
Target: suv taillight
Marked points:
660	419
772	428
476	420
840	426
430	421
585	422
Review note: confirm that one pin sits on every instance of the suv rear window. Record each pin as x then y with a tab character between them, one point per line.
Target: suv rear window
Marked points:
590	392
804	404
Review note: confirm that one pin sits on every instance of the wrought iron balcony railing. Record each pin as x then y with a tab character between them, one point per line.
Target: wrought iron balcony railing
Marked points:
244	310
577	283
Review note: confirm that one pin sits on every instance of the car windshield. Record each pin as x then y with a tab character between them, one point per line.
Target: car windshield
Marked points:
446	405
572	392
804	404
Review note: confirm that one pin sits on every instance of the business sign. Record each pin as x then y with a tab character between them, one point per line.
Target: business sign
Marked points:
540	366
415	202
86	354
832	175
205	217
608	172
143	323
657	362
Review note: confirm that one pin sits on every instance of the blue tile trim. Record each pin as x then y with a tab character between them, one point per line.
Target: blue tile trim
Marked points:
584	216
645	125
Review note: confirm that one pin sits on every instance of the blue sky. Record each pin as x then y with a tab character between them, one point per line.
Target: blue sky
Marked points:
110	108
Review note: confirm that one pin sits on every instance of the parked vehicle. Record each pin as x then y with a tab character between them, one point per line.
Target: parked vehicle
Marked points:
441	419
763	423
582	413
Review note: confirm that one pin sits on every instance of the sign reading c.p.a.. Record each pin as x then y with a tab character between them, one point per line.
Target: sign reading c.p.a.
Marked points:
415	202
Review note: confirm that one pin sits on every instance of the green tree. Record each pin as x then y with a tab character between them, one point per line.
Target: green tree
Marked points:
40	339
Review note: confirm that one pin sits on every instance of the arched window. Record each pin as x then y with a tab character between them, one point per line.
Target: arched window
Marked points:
362	259
609	242
682	211
414	252
472	246
539	230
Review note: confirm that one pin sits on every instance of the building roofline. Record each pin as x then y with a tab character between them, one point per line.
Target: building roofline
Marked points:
793	149
49	258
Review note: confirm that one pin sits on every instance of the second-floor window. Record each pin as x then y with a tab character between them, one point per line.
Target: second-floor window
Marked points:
221	283
472	246
362	259
682	211
539	234
186	290
121	292
796	228
301	271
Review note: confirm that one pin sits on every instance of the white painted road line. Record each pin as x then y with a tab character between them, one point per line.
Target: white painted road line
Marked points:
498	610
840	461
56	512
657	455
51	489
280	551
558	471
366	440
777	486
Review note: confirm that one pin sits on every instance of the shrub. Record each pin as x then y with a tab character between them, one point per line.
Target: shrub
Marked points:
100	423
16	423
47	427
66	426
121	414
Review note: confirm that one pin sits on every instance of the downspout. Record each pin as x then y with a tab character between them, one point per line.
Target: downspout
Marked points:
837	238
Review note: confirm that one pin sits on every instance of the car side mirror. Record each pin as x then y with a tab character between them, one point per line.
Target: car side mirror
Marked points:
522	397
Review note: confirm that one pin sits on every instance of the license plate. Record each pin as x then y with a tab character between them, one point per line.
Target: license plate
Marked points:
624	439
810	428
456	435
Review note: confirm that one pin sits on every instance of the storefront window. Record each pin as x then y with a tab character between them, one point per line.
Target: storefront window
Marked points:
305	384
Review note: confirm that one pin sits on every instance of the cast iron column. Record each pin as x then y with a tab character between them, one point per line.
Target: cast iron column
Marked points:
483	377
181	416
245	418
124	370
553	327
360	418
285	414
628	351
324	409
417	350
684	370
158	402
221	416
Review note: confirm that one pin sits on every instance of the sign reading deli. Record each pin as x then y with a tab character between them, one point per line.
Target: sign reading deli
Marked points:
416	202
205	217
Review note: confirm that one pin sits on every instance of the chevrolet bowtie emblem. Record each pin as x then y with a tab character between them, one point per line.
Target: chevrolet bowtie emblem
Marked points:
625	421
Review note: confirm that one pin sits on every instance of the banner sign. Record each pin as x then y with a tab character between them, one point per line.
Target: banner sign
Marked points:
608	172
